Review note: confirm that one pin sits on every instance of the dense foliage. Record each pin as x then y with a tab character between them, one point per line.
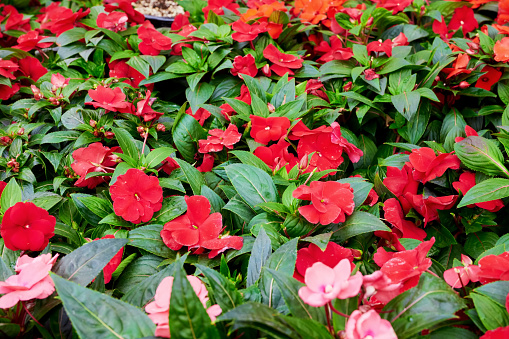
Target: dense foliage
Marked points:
299	169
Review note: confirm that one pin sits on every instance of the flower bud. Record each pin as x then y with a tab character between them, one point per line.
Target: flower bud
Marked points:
21	131
271	107
266	70
464	85
303	162
160	128
348	86
92	123
4	141
109	135
140	129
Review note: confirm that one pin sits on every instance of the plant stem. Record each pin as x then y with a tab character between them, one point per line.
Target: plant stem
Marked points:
338	312
30	314
328	316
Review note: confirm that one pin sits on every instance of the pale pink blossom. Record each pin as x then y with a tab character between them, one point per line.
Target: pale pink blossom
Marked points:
324	283
368	325
381	287
459	276
158	310
32	282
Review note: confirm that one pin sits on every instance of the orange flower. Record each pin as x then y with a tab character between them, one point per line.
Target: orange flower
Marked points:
502	29
459	66
311	11
503	12
501	50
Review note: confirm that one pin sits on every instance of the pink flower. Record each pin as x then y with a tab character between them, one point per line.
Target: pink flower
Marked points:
380	287
158	310
368	325
459	276
324	284
32	282
219	139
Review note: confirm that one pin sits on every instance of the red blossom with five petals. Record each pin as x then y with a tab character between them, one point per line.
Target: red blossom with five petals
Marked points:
330	201
219	139
152	41
428	166
268	129
283	62
465	183
244	65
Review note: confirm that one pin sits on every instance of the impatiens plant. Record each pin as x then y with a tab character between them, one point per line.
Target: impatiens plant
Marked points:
258	169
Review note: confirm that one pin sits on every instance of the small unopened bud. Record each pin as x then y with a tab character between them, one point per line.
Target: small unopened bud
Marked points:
348	86
143	135
109	135
37	92
266	70
357	254
437	78
271	107
140	129
21	131
4	141
97	134
54	88
160	128
464	85
92	123
370	21
303	163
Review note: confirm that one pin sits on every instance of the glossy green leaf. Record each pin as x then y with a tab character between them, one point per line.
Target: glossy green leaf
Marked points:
358	223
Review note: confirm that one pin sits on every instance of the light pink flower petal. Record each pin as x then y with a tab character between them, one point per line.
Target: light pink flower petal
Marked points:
9	300
311	298
320	275
342	271
352	288
214	311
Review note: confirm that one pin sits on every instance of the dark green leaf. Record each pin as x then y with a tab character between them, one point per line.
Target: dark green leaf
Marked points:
358	223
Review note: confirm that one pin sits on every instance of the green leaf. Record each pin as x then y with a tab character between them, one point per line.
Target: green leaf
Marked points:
491	314
140	65
5	271
200	95
481	154
140	294
155	61
282	260
480	242
194	177
253	184
46	200
186	133
126	142
188	317
224	291
155	157
92	208
407	103
358	223
262	249
97	315
85	263
70	36
149	238
138	271
249	158
487	190
496	291
10	195
289	288
416	309
61	136
67	231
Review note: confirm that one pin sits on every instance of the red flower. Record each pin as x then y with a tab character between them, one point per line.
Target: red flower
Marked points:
200	115
227	111
244	65
144	109
8	67
207	163
94	158
313	87
30	41
498	333
2	186
136	196
330	201
27	227
401	181
114	262
115	21
459	66
334	51
245	32
400	40
180	21
282	61
219	138
216	6
469	131
463	18
393	213
332	255
370	74
169	165
134	16
428	207
494	267
501	50
264	130
31	68
7	92
198	229
465	183
428	166
380	46
276	156
406	266
460	276
153	42
109	99
120	69
487	80
60	19
354	154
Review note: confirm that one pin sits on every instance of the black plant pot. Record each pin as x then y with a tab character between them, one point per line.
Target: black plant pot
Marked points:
159	21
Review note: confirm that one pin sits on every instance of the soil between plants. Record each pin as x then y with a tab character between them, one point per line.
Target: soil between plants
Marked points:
158	8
